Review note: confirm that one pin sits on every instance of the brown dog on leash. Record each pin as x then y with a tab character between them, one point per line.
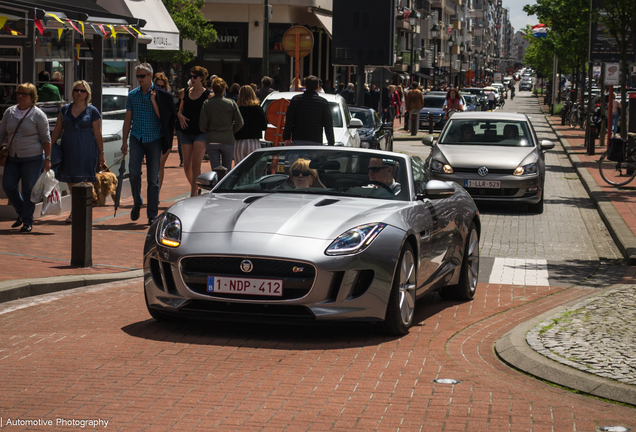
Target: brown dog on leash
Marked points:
105	184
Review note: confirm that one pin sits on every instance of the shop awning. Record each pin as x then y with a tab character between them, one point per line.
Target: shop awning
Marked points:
421	75
159	24
325	19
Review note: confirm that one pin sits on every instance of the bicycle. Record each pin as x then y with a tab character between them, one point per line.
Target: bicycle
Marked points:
618	173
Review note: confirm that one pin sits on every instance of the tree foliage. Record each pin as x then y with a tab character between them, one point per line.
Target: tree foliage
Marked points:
619	19
191	23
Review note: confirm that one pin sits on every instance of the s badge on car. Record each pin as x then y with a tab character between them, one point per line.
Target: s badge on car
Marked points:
247	266
482	171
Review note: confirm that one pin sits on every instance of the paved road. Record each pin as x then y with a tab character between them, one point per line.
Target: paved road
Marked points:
96	354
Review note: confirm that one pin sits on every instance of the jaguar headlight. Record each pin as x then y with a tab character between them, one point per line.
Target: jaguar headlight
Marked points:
355	240
437	166
528	169
169	233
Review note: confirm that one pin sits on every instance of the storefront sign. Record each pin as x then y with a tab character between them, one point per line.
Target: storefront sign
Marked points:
163	41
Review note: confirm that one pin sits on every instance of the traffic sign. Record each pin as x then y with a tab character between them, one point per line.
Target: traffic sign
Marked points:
381	77
275	114
304	40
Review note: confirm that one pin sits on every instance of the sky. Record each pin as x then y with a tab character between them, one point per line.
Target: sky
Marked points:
518	18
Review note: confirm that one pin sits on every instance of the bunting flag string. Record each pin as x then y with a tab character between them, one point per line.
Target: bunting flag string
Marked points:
41	25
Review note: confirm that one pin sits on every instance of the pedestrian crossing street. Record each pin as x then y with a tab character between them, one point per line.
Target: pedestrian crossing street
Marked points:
516	271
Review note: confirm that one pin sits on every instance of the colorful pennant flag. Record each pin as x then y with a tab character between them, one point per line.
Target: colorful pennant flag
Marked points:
101	27
3	20
97	31
83	30
114	33
59	34
71	23
55	16
126	28
38	24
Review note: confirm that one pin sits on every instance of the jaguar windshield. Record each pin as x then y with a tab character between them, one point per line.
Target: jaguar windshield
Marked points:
324	172
487	133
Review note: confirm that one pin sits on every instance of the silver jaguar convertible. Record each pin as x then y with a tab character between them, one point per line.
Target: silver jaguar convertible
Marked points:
310	234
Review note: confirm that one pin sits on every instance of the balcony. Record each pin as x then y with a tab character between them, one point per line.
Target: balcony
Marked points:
422	5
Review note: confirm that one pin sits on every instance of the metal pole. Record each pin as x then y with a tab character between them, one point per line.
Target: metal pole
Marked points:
82	228
554	84
588	132
265	65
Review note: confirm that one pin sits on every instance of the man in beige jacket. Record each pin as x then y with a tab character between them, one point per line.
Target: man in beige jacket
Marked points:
414	103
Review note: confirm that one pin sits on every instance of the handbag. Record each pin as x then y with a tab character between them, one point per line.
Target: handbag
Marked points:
4	152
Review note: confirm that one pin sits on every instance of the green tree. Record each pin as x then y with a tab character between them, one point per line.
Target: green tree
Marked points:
619	19
191	23
569	23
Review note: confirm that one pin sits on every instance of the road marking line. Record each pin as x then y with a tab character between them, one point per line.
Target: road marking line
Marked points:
519	271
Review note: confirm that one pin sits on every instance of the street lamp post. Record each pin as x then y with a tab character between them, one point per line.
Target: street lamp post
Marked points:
434	35
450	61
413	21
461	63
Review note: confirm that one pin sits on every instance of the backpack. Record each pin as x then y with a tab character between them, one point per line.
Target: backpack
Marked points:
617	150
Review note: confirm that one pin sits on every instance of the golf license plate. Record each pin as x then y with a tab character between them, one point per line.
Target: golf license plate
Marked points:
486	184
247	286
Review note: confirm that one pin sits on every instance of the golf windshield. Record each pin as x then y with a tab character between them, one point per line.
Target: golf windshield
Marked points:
320	171
487	132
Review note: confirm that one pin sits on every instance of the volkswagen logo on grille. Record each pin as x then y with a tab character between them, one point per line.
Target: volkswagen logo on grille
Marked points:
482	171
247	266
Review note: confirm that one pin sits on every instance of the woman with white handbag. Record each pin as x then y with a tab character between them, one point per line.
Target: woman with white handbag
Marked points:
29	150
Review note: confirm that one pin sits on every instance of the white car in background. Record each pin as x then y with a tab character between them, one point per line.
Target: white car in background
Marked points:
113	113
345	127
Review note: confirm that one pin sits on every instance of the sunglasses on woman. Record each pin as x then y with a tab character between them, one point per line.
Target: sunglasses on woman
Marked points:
161	86
194	76
296	173
79	90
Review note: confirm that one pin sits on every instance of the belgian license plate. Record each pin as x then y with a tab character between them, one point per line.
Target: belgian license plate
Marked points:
486	184
247	286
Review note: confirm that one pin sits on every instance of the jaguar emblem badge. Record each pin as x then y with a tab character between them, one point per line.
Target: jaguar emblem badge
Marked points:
246	266
482	171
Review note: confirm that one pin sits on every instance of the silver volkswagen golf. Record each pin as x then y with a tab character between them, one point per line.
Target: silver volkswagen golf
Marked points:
309	234
494	156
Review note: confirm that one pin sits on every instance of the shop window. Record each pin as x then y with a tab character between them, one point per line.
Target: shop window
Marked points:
53	46
9	76
15	25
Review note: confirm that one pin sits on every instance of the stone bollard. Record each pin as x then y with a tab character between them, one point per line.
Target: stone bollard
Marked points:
415	123
82	227
431	123
220	171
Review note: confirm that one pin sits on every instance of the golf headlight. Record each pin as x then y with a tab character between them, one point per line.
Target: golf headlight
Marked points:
169	233
355	240
437	166
526	169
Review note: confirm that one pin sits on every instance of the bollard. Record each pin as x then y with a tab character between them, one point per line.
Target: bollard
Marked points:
415	124
82	227
220	171
431	123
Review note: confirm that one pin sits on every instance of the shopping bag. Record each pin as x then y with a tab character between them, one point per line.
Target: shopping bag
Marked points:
37	193
52	203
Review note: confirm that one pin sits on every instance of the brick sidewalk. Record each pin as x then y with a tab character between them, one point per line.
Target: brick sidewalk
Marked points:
624	198
117	241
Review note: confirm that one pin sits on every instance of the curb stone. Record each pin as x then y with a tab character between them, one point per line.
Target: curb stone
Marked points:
514	350
21	288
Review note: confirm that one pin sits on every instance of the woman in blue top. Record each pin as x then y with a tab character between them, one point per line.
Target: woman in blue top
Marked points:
82	144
